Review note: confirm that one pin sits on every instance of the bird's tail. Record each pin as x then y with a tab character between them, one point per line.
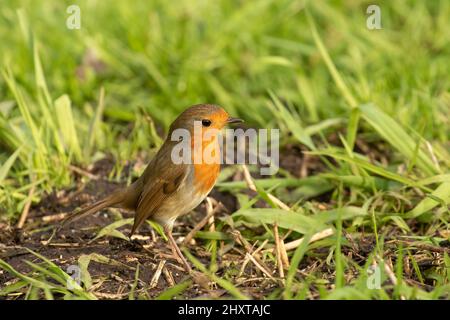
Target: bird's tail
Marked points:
112	200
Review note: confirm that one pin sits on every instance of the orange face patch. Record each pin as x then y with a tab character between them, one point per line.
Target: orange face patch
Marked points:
206	155
206	161
206	158
218	119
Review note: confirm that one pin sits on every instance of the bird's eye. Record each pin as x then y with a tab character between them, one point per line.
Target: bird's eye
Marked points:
206	122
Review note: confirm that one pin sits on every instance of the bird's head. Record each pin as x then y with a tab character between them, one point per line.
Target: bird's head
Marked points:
208	116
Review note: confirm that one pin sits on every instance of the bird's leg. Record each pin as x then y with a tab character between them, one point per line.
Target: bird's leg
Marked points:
176	250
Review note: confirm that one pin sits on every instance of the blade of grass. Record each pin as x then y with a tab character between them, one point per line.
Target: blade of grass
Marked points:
96	121
442	193
66	125
5	167
220	281
330	65
174	291
295	261
395	135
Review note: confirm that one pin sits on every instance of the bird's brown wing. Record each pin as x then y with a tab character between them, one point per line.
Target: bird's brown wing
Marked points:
160	180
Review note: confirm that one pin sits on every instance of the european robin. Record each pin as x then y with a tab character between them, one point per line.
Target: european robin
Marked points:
168	189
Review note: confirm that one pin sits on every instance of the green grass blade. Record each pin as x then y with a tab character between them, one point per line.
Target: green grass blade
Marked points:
5	167
442	193
345	91
395	135
295	261
220	281
174	291
66	124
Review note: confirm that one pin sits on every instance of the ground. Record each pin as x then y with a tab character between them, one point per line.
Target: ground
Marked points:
114	264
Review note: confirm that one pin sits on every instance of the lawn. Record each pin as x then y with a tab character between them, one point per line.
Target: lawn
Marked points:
359	208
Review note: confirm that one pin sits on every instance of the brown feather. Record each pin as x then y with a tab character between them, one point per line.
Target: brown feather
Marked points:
162	178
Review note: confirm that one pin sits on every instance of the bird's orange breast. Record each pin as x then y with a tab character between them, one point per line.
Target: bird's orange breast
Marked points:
205	172
205	176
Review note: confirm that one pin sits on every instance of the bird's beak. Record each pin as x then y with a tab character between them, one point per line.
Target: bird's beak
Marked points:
234	120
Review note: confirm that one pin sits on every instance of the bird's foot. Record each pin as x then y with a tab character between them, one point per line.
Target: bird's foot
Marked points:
201	279
175	257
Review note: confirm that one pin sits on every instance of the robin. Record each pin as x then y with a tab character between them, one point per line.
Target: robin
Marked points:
168	189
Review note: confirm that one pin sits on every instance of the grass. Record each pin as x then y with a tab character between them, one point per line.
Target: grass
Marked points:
369	108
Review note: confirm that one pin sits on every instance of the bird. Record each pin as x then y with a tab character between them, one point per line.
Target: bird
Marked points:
168	189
